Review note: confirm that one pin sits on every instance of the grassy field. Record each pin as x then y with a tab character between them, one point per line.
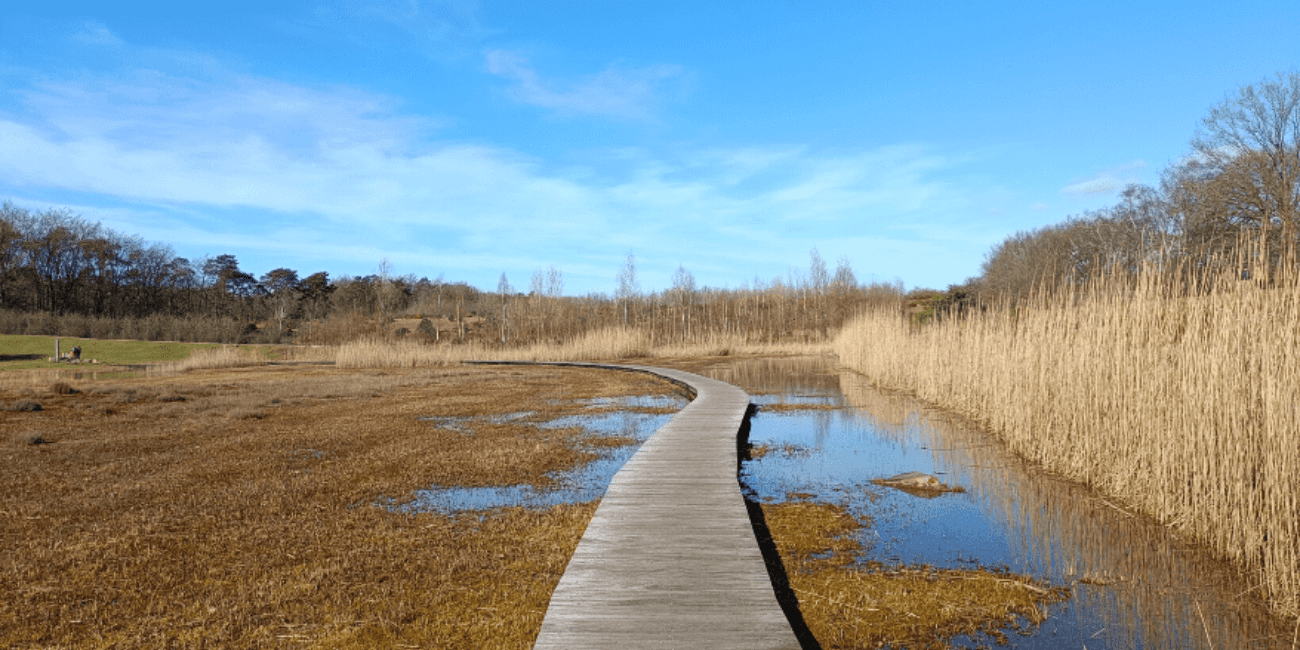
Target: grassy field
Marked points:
244	508
22	352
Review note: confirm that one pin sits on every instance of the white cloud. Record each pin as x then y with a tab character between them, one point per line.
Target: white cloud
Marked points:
250	142
439	29
1104	184
323	174
1108	181
96	33
628	93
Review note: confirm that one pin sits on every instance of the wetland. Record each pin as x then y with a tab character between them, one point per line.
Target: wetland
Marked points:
1119	580
317	507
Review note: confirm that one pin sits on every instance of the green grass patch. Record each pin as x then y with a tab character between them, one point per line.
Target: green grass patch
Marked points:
20	352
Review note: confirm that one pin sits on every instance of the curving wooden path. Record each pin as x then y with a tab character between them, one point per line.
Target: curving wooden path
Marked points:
670	559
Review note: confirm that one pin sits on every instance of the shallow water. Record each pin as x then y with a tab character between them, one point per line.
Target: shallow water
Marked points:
1134	584
617	416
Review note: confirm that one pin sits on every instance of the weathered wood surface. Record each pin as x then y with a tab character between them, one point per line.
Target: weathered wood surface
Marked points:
670	559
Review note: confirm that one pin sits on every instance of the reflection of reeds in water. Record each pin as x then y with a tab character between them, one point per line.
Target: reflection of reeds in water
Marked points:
1148	588
1180	398
787	376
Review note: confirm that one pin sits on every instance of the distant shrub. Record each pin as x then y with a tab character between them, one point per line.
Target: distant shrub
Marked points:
63	388
246	413
425	328
24	405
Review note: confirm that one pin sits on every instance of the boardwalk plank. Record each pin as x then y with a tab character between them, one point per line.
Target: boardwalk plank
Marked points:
670	559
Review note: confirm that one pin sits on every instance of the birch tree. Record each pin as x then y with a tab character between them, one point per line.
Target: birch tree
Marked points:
628	288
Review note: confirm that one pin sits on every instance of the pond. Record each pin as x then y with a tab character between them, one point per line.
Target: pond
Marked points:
1134	583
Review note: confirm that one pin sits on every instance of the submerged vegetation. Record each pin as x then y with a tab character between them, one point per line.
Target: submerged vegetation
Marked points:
847	604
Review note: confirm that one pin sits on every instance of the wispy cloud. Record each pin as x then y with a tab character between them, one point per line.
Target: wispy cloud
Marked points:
289	171
1107	181
619	92
439	29
96	33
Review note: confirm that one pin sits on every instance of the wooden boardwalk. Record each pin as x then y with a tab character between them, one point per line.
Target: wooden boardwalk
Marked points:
670	559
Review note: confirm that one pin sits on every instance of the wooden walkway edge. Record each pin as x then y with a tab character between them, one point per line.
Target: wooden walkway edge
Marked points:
670	559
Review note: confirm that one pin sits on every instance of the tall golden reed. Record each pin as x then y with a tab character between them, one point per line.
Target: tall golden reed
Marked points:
606	344
1180	397
219	357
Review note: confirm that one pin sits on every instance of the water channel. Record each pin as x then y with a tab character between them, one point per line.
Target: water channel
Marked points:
1134	584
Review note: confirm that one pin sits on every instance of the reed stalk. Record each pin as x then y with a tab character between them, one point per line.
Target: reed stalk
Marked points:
615	343
1176	394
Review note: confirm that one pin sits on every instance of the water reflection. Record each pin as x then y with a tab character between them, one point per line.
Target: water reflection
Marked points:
1134	583
625	417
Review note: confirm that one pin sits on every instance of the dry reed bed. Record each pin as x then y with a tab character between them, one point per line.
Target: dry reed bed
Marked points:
1162	588
238	509
605	344
1182	403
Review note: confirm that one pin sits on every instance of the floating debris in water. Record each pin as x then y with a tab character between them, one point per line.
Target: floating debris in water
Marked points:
918	484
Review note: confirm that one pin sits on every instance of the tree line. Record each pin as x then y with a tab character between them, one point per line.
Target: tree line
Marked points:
61	274
1238	186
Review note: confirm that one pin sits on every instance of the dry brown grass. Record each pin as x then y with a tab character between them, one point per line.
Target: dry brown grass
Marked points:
1180	403
212	358
851	606
606	344
228	356
242	508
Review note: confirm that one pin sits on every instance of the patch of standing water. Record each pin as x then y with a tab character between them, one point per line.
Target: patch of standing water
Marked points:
793	400
459	424
638	402
583	483
1134	583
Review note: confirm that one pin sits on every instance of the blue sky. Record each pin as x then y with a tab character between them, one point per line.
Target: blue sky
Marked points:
468	139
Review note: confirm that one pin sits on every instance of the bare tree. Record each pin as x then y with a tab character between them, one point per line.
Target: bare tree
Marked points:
14	222
818	275
503	288
682	297
1250	144
844	279
537	287
554	283
628	288
55	252
386	292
